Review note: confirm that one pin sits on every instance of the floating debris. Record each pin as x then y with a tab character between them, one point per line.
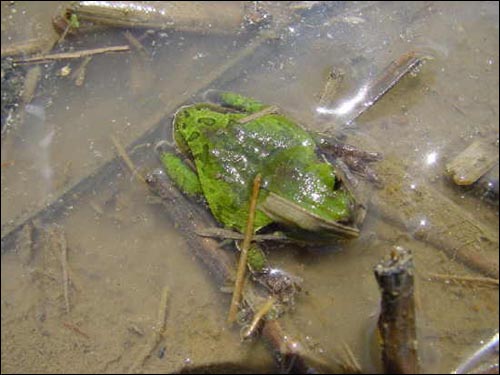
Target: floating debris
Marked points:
472	163
206	18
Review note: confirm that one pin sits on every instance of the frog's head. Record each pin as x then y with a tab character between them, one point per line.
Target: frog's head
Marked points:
192	120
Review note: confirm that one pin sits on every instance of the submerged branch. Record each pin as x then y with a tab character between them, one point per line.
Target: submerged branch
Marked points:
189	217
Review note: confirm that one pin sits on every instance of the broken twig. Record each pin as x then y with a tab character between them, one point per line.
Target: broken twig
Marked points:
288	351
71	55
123	154
258	316
396	322
469	279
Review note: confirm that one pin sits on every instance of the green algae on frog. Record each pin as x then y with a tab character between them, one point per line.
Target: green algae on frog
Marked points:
301	191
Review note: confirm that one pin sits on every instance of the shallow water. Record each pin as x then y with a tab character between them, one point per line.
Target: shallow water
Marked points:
123	250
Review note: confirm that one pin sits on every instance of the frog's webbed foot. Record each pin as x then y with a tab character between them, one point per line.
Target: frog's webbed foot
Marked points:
165	146
279	283
358	161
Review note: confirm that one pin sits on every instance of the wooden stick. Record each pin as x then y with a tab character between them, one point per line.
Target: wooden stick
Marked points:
72	55
348	361
136	44
123	154
81	71
258	316
396	322
242	265
157	334
471	279
162	312
266	111
183	16
76	329
189	216
445	225
61	199
26	47
61	242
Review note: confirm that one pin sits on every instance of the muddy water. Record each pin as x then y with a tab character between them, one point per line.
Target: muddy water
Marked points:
123	250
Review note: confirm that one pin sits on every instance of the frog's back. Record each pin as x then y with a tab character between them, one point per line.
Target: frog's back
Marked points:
228	155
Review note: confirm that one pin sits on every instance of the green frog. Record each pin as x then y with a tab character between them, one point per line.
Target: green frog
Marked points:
304	190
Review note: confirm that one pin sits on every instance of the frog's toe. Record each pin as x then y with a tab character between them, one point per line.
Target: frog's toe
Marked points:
164	146
361	167
212	96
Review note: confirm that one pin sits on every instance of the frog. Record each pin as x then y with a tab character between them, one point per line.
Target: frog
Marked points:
306	190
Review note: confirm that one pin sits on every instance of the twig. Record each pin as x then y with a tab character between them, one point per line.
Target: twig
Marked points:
220	264
348	361
60	200
61	242
157	333
123	154
471	279
162	312
266	111
80	72
242	264
63	35
233	235
76	329
353	362
258	316
26	47
448	227
136	44
368	95
71	55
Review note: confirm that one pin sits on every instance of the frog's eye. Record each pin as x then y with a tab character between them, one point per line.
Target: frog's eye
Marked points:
206	121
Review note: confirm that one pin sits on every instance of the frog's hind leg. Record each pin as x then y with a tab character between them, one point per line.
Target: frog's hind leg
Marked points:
179	172
238	102
357	160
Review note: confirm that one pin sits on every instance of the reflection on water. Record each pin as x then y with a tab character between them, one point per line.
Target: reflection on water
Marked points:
122	249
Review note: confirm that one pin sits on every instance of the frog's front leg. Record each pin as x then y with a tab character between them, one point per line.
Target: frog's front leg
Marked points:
358	161
180	173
